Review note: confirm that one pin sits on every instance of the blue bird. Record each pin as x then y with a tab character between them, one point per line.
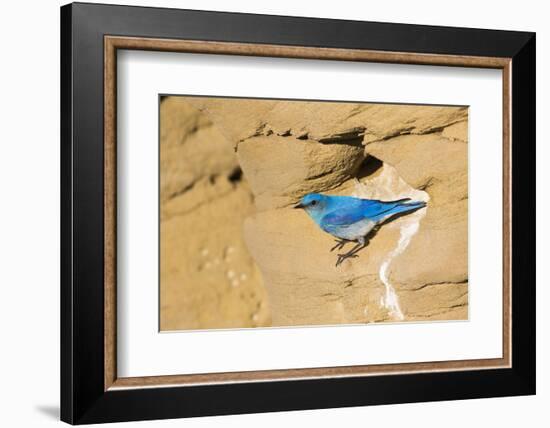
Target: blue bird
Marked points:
353	219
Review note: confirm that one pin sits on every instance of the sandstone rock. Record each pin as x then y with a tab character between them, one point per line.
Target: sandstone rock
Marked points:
414	268
451	298
236	119
439	252
207	277
191	148
304	285
457	132
281	170
243	118
427	162
299	272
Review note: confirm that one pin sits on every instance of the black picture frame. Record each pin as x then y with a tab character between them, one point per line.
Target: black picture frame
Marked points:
83	397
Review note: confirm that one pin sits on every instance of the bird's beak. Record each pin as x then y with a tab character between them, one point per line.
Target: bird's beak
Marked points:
299	205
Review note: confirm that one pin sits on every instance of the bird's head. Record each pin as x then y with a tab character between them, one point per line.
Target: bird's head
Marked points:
313	203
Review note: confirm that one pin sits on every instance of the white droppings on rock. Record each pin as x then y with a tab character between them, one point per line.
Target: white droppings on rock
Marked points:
204	252
230	274
378	188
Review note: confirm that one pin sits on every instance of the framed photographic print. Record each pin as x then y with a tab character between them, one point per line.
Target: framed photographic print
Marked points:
265	213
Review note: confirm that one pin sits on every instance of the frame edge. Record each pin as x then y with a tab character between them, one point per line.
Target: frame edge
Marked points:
66	315
523	222
80	402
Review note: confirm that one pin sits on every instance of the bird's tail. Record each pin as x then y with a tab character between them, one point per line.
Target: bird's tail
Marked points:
413	205
401	207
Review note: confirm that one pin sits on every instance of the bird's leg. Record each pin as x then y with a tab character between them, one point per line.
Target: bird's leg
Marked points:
339	244
361	243
349	254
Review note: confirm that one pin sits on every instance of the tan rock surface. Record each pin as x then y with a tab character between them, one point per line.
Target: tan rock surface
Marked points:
207	277
191	148
281	170
240	119
439	252
287	149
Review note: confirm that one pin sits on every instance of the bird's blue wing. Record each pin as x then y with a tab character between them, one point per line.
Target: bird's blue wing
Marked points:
374	209
344	215
354	210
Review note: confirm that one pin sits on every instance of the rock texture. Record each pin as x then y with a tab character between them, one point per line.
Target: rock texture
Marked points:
414	268
207	277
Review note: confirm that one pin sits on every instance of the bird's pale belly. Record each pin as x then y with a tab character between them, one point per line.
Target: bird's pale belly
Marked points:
353	231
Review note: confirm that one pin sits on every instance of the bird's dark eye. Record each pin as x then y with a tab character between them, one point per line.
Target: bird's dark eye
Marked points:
313	203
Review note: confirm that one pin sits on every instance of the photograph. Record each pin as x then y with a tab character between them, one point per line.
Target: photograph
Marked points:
243	214
283	212
247	214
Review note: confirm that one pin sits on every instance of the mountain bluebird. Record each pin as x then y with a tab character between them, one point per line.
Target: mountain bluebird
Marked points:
353	219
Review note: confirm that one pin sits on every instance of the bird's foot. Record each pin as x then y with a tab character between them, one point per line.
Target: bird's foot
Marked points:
351	254
339	244
342	257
